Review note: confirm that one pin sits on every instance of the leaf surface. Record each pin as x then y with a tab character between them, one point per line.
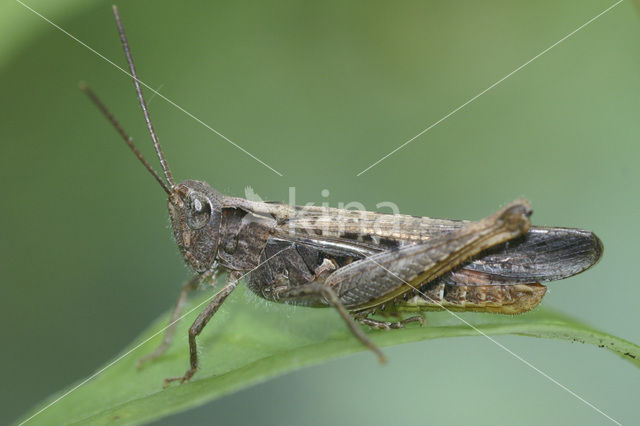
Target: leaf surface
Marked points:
250	341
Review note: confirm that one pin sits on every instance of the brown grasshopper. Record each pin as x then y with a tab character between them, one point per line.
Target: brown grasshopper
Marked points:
360	263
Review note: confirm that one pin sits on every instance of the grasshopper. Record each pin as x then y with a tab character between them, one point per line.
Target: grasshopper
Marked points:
359	263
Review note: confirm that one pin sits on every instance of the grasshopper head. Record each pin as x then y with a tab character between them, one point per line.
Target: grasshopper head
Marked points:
196	213
194	206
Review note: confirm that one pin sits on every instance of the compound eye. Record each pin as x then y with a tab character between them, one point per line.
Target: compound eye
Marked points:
198	211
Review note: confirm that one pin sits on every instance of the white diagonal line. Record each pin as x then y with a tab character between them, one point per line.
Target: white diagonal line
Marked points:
491	87
149	87
97	373
154	93
500	345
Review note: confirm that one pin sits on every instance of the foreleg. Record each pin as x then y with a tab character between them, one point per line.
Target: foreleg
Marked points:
201	322
189	286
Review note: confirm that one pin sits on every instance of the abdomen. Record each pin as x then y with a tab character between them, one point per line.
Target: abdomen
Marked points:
493	298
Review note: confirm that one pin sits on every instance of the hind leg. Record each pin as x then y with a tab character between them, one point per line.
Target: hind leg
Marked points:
319	290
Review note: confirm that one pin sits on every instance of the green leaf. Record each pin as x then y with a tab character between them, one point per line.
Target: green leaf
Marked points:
250	341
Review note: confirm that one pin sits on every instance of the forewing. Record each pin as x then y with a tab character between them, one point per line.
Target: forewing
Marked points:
544	254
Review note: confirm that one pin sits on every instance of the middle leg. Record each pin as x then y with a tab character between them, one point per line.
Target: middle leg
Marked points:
390	325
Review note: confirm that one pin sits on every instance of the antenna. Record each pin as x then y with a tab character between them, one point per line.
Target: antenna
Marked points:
94	98
143	103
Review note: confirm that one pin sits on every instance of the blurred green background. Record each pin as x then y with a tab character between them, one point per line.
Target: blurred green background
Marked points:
319	91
